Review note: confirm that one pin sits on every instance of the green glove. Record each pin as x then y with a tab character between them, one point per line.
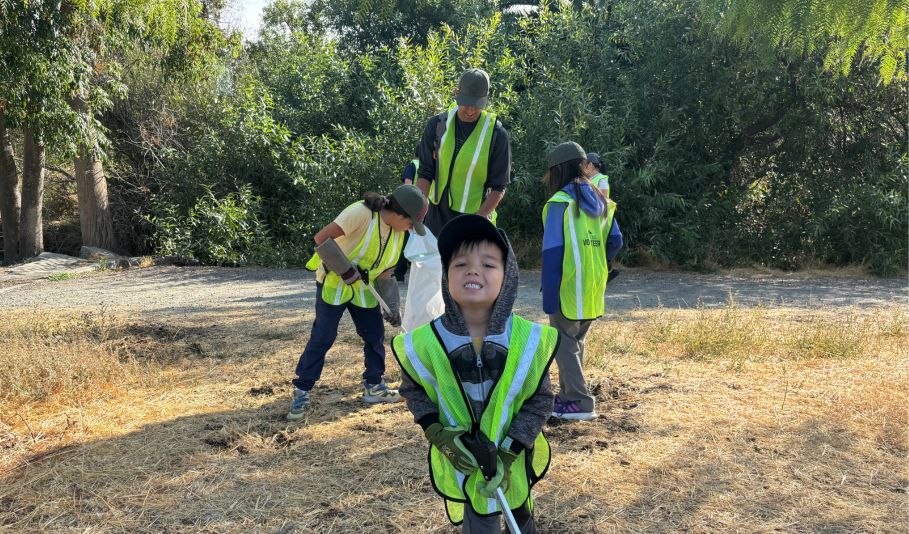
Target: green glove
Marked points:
507	458
487	488
448	441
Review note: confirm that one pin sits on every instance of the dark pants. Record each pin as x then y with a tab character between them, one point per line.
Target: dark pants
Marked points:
474	524
438	215
324	331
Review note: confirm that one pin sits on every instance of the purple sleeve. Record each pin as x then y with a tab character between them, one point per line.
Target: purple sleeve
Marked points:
553	252
410	173
614	242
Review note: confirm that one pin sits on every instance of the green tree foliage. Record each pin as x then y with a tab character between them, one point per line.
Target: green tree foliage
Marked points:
37	61
877	31
62	64
719	155
313	86
372	24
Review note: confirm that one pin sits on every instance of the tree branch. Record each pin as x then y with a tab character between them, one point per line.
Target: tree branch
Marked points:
60	171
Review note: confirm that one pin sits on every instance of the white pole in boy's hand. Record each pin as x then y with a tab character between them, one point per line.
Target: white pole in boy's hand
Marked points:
506	511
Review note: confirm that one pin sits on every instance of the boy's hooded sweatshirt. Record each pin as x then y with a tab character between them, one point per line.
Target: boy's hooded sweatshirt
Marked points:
478	382
554	240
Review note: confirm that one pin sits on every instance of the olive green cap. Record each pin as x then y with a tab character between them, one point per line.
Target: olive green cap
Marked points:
565	152
473	89
411	200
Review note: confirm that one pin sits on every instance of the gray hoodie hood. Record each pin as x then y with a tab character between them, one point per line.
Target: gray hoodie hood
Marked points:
453	320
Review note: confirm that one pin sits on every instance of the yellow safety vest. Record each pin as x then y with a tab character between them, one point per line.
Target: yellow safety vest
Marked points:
585	271
531	347
601	181
371	254
465	175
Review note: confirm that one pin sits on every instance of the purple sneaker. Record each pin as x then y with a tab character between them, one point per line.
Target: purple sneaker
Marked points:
570	411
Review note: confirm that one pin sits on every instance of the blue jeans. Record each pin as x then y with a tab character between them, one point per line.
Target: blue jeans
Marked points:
324	331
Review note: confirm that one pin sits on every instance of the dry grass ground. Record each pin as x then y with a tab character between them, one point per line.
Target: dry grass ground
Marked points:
755	420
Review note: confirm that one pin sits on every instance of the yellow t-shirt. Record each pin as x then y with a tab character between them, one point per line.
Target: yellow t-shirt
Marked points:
354	221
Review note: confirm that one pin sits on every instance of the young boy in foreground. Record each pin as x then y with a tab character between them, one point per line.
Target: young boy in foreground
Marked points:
477	379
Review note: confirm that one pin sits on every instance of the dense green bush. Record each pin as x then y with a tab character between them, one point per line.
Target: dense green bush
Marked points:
219	231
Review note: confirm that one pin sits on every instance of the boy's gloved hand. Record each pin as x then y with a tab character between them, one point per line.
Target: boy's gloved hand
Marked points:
448	441
487	488
507	458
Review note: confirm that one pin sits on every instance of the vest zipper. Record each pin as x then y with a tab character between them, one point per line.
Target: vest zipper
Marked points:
482	380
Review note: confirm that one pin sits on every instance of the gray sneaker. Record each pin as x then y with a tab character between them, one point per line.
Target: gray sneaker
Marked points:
299	404
375	393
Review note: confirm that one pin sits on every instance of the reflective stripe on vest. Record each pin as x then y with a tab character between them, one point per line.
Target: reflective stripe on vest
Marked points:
422	356
585	271
366	255
465	178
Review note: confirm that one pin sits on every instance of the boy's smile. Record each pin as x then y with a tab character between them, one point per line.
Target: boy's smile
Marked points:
475	275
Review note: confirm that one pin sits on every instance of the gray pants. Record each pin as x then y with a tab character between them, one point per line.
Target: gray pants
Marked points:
474	524
570	359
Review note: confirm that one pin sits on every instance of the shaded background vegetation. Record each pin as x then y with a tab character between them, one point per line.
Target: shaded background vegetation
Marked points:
722	150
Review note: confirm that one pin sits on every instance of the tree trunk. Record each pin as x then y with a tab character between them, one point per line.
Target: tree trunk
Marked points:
94	210
31	236
91	190
10	197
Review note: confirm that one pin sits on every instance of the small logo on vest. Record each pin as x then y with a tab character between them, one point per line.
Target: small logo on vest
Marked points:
590	241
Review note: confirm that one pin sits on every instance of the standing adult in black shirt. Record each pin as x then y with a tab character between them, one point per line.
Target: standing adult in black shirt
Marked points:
465	156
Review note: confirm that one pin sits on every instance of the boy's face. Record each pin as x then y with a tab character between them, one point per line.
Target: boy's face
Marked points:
475	275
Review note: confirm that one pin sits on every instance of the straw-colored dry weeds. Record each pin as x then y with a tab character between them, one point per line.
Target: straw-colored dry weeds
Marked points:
711	420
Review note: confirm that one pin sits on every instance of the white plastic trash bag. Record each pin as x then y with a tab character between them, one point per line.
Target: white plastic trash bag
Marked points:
424	283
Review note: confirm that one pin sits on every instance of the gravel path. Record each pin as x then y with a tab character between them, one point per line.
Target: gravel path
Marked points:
191	291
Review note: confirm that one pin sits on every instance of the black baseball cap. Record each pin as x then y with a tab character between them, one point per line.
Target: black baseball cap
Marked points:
473	228
594	158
